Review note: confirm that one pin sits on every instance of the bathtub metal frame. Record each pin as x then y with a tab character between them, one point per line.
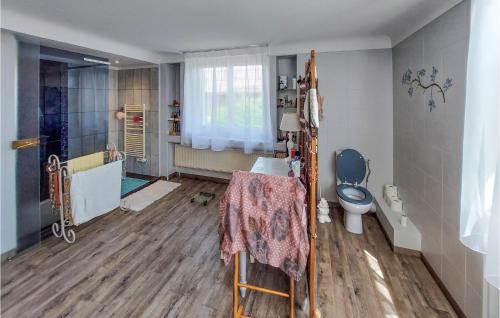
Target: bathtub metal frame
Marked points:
59	170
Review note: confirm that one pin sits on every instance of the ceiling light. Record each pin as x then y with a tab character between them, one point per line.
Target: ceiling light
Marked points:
87	59
117	62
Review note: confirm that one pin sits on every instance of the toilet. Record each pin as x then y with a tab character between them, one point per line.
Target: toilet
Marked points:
355	199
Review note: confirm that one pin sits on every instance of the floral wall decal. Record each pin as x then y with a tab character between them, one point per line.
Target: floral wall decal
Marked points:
418	82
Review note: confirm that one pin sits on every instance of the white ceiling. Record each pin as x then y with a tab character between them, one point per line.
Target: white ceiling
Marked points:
117	61
162	26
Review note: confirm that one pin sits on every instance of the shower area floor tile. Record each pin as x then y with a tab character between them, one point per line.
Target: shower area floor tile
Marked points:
130	185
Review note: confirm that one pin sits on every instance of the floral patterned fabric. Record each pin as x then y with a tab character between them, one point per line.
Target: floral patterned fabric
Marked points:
265	215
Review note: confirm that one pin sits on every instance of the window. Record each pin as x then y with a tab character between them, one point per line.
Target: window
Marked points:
480	198
226	100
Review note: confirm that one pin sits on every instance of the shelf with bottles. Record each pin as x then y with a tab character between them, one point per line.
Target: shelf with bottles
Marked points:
286	91
287	102
175	103
174	128
287	83
175	112
174	118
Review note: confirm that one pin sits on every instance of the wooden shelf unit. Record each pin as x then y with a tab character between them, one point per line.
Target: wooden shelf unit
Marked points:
174	120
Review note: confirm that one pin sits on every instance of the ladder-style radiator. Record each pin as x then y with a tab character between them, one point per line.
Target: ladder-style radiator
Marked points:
221	161
135	131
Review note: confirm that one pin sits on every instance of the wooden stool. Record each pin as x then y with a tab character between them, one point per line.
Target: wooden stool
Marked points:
238	309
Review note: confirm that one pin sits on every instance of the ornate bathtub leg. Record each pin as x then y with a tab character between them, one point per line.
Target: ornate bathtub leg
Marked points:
59	228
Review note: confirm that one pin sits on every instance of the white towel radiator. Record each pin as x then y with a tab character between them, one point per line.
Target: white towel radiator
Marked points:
135	131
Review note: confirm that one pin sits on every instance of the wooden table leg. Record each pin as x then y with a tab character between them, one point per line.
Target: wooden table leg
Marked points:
243	261
292	297
235	285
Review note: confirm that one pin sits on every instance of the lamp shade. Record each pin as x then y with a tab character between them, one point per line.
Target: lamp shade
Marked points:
290	122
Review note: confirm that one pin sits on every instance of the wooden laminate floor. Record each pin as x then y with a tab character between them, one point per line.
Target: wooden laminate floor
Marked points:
164	262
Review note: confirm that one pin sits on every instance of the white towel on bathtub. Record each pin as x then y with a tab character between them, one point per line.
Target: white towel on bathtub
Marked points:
96	191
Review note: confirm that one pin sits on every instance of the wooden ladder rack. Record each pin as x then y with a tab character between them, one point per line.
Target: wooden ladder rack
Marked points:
309	149
238	309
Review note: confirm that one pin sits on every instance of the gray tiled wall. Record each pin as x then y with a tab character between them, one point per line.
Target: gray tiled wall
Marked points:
140	86
113	127
428	152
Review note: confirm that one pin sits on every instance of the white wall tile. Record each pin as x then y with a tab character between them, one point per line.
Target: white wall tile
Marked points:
431	172
433	194
357	113
473	304
454	281
451	207
453	249
452	168
474	270
431	248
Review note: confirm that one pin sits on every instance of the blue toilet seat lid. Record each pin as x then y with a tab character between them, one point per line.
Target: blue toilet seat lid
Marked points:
351	167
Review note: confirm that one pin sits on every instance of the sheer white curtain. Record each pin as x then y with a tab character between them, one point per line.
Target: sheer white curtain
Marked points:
226	100
480	199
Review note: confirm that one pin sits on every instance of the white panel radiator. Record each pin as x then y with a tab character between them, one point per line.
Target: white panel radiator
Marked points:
221	161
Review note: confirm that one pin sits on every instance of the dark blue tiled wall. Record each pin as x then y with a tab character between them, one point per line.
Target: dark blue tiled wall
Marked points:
53	116
73	112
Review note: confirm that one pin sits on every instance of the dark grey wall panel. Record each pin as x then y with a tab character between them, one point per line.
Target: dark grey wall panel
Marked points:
28	162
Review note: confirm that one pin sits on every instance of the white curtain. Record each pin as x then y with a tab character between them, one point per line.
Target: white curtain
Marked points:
480	199
226	100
